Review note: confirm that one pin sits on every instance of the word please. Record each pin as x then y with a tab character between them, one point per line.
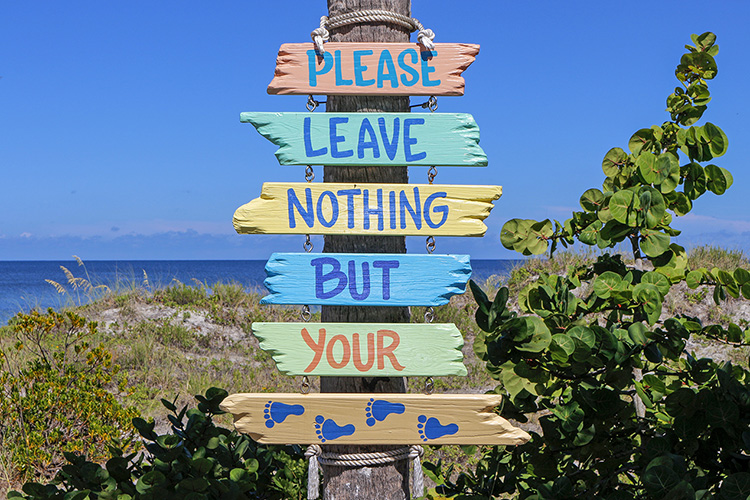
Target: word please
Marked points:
397	207
351	351
384	68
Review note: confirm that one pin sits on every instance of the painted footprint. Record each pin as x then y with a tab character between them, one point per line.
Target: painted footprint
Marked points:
376	411
328	430
276	413
431	428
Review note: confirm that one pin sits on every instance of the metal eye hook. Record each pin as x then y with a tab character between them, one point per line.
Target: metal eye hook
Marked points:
430	244
306	314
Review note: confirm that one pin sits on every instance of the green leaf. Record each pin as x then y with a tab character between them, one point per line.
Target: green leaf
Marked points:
562	347
643	139
148	480
694	279
715	137
659	480
654	243
736	487
656	208
591	200
681	403
624	207
585	436
613	161
657	279
695	180
642	394
637	333
741	276
590	233
605	283
514	231
723	415
719	179
540	337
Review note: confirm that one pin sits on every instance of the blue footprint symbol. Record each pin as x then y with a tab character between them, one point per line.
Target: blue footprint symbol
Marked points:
276	412
376	411
431	428
328	430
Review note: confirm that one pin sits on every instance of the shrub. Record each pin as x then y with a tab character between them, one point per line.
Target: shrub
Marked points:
56	394
625	409
196	460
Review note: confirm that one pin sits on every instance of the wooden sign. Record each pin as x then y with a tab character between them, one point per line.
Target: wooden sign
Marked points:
363	349
372	69
365	279
372	209
372	419
429	139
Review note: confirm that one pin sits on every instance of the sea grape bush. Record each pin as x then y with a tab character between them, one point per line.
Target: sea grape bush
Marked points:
196	460
625	410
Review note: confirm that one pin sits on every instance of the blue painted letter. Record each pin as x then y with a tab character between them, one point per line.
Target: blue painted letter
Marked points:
309	151
427	69
409	82
335	138
353	281
366	128
408	141
340	82
386	62
386	266
312	56
359	68
307	215
321	278
391	147
440	209
334	209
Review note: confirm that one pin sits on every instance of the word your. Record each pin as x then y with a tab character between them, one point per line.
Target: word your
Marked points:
400	207
336	273
351	351
385	64
367	139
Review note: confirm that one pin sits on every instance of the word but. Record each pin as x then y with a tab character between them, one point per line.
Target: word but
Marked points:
335	273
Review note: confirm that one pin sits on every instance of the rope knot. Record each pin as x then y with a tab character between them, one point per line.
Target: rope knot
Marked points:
426	37
320	35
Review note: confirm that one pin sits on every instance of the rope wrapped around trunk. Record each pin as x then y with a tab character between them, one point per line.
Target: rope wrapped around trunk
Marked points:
321	34
317	456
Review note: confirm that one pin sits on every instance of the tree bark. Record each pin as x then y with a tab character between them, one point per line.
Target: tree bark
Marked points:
386	482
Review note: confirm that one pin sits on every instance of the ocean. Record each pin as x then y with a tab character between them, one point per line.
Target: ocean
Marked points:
23	285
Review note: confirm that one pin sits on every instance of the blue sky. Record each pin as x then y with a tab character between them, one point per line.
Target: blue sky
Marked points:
120	135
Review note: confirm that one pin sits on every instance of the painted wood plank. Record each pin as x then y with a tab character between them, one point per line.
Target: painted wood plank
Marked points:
363	349
429	139
365	279
374	209
372	419
372	69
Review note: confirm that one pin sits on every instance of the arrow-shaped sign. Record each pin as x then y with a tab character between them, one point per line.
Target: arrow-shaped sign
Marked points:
372	69
363	349
371	209
398	139
372	419
365	279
